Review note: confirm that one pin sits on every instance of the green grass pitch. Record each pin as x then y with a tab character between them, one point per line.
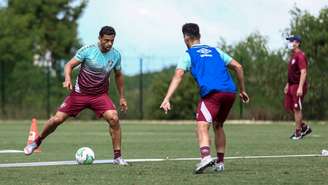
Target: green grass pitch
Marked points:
143	140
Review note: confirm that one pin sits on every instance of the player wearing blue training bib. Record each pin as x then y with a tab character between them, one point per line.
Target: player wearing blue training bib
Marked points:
96	62
209	67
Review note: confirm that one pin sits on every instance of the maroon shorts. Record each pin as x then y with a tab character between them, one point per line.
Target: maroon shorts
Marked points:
292	101
215	107
75	103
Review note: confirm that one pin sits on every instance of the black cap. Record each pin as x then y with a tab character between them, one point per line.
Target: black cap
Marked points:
292	38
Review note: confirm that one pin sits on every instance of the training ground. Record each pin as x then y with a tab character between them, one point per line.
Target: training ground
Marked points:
164	152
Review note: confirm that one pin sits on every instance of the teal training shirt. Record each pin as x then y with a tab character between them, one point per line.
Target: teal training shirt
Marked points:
95	69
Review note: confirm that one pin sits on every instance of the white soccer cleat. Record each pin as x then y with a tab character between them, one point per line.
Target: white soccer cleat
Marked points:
219	167
120	161
203	164
28	150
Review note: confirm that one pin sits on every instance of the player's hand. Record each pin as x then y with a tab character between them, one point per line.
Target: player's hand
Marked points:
68	85
166	106
299	92
286	89
123	104
244	97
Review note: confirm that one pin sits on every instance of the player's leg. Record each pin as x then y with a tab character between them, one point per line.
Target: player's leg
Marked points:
49	127
71	106
104	107
298	124
301	129
220	143
205	111
306	129
52	124
203	138
225	102
289	104
202	132
111	116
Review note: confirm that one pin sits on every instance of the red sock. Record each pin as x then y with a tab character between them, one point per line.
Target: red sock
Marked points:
117	154
38	141
298	132
205	151
220	157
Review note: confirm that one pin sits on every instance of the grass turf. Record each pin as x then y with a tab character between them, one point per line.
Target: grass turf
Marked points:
166	140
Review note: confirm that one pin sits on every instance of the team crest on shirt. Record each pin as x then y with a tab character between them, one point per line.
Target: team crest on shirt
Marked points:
63	105
110	62
204	52
293	61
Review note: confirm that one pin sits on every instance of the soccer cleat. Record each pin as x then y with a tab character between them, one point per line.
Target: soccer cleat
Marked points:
120	161
218	167
203	164
294	137
28	150
306	130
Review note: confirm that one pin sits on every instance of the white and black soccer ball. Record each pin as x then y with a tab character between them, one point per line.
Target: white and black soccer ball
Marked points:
84	155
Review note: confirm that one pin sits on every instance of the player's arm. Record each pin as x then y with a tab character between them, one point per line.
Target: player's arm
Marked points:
119	79
286	88
176	80
302	81
238	68
302	65
69	66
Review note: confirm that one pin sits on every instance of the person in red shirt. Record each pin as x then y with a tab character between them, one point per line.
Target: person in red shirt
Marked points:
296	86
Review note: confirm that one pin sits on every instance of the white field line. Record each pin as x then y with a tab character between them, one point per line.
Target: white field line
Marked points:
10	151
57	163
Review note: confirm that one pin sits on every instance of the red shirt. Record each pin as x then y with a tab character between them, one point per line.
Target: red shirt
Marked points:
297	62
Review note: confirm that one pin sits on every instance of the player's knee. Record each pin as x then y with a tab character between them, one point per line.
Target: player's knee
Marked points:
113	119
57	120
114	124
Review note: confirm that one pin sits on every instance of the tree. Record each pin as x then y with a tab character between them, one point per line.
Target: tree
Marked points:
263	77
34	28
183	102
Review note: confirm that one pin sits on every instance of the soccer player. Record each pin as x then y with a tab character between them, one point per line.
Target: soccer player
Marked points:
209	67
296	86
96	62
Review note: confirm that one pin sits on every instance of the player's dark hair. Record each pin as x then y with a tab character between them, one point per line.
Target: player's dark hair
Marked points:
191	30
107	30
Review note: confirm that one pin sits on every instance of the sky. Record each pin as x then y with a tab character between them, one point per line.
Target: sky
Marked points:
151	29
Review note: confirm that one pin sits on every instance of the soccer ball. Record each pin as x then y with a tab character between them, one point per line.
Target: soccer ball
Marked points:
84	155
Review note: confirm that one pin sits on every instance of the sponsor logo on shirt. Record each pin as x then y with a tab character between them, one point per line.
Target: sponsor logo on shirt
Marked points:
93	62
204	52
